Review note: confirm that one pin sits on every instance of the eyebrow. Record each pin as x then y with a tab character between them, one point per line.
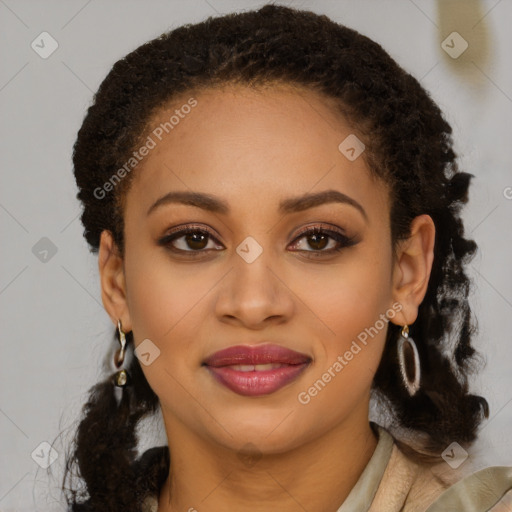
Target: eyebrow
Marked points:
290	205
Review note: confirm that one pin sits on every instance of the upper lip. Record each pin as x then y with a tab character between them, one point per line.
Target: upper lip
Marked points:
259	354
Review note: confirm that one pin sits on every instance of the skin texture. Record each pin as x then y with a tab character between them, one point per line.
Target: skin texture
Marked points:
253	148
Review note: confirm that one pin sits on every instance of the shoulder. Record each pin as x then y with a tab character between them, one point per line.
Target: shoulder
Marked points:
487	490
409	486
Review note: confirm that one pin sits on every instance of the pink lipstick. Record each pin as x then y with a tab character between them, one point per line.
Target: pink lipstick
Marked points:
256	370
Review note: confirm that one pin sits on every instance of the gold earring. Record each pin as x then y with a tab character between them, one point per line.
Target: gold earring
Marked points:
121	378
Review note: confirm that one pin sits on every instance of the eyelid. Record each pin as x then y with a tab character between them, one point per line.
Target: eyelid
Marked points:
302	231
192	227
323	226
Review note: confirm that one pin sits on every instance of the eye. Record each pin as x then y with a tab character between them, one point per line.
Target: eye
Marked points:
191	239
322	241
196	240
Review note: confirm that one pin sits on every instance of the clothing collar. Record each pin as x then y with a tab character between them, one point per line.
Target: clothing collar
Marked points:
362	494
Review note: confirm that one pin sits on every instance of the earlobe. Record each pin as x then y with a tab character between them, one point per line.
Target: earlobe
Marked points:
413	265
112	279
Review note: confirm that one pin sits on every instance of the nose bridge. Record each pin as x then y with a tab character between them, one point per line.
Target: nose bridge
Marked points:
252	292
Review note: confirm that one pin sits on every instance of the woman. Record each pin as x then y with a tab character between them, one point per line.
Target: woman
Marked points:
275	207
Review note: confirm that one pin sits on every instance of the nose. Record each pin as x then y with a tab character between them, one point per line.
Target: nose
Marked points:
254	294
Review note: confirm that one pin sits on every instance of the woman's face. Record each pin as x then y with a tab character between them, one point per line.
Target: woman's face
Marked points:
260	159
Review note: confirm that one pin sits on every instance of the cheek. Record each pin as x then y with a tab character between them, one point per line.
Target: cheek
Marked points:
161	296
353	303
163	307
350	296
348	356
168	305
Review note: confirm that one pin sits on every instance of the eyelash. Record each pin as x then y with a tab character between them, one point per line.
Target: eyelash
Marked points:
342	240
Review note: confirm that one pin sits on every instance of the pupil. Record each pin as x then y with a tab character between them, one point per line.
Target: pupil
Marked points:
318	239
196	240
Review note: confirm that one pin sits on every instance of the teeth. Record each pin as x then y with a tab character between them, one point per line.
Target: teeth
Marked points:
256	367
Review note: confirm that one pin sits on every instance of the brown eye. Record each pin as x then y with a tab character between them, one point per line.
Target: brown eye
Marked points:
196	240
318	241
189	239
322	241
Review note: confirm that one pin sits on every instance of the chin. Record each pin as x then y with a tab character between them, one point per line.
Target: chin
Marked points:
261	438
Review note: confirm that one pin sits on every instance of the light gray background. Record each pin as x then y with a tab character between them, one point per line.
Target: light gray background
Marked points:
55	332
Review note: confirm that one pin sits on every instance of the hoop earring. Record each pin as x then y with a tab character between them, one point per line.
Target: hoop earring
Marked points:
121	378
412	385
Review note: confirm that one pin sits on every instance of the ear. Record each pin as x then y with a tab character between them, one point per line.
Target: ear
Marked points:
113	285
412	267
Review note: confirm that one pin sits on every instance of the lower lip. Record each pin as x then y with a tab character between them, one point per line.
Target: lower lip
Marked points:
256	382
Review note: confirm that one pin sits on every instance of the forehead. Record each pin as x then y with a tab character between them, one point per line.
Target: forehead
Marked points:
255	143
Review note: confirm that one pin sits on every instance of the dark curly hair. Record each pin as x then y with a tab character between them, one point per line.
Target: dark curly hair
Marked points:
408	146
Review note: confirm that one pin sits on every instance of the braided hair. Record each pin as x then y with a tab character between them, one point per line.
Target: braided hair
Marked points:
408	145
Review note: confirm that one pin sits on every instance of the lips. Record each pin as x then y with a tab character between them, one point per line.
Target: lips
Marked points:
256	370
255	355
